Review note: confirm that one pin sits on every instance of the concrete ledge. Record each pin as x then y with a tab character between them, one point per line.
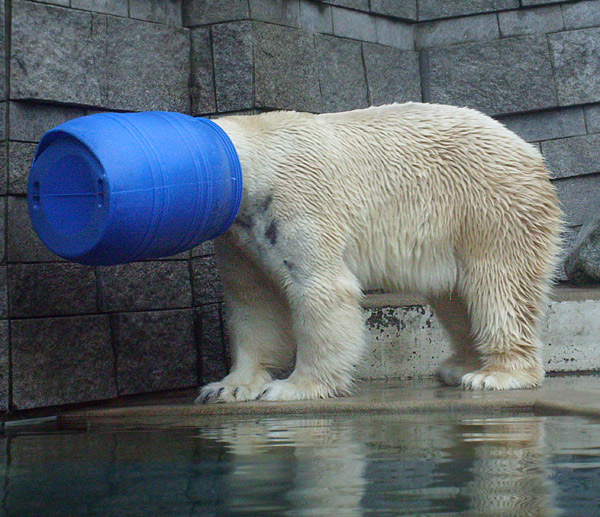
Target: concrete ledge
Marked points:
567	293
559	293
573	395
406	340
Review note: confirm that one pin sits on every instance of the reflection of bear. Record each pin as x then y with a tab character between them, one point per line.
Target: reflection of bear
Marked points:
436	199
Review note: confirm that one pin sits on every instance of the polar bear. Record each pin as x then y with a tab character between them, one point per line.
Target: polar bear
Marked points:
427	198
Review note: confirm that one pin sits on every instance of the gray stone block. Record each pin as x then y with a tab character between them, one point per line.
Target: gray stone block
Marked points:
145	286
64	3
202	87
51	290
286	72
155	351
395	33
579	15
118	7
341	74
3	218
3	77
572	156
158	11
4	365
392	74
3	50
407	9
274	11
546	125
234	66
527	3
531	21
63	62
22	243
457	30
582	265
147	66
431	9
3	128
576	60
206	12
93	111
3	292
316	17
61	361
20	157
579	197
567	239
354	25
3	168
29	121
99	60
207	285
497	77
361	5
184	255
204	249
214	358
592	118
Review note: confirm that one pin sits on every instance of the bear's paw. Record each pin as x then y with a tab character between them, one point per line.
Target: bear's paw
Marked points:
234	389
497	379
296	389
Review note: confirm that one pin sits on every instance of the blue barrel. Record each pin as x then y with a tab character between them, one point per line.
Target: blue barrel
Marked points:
113	188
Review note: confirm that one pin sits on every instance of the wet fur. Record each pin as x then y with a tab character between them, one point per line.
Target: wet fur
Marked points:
429	198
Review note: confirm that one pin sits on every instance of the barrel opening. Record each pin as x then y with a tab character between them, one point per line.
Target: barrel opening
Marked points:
67	195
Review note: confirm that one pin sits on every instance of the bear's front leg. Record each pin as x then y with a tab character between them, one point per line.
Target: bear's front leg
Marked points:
259	325
329	332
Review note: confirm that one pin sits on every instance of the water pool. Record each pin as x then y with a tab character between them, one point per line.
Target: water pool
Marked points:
343	464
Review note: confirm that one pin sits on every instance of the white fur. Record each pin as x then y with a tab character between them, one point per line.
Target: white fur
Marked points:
429	198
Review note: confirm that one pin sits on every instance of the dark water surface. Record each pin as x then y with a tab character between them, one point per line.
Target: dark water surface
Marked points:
366	464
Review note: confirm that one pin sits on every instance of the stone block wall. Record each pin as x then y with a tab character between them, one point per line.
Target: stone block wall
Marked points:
70	333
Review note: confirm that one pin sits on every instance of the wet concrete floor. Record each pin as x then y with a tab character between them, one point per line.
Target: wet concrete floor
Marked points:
565	395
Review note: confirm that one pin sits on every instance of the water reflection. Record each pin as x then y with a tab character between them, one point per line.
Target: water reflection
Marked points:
386	464
316	463
367	464
510	472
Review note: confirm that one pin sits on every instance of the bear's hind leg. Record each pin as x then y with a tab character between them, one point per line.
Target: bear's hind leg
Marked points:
504	311
452	312
259	325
